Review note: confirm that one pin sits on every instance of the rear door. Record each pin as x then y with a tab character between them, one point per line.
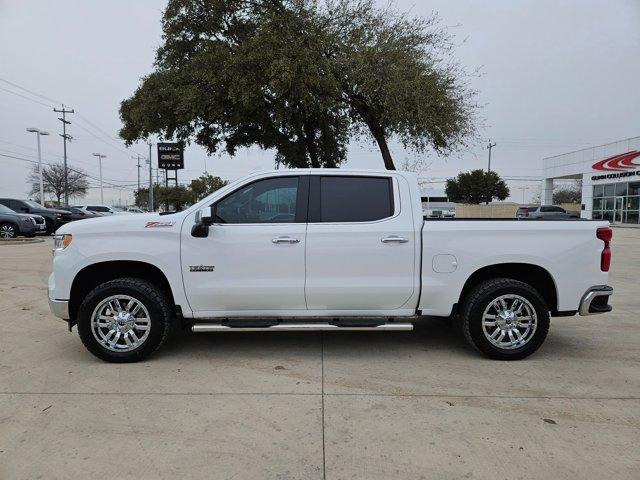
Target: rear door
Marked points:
360	244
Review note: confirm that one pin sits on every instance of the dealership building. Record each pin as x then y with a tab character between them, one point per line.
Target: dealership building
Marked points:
610	177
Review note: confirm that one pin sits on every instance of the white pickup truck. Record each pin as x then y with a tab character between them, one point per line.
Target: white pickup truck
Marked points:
316	250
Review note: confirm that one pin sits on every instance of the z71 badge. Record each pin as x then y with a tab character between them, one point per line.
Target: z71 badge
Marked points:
201	268
159	224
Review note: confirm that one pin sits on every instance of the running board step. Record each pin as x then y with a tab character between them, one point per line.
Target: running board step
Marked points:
301	327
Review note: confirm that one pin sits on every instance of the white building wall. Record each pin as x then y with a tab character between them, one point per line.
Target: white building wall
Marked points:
579	165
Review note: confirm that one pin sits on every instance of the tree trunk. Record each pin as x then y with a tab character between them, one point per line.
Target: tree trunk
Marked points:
310	141
378	134
377	131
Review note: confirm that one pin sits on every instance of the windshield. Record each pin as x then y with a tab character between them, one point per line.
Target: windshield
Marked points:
4	209
32	204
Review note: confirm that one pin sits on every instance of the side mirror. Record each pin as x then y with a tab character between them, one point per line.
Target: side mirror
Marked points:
204	219
204	216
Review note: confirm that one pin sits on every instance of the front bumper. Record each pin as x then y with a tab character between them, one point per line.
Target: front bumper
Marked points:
60	308
596	300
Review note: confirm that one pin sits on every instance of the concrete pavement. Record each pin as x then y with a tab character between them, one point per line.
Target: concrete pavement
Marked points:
416	405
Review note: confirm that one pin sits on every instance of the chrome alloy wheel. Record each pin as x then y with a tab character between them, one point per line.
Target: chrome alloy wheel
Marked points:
120	323
7	231
509	321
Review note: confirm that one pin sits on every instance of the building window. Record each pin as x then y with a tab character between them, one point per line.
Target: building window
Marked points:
598	191
597	204
609	190
621	189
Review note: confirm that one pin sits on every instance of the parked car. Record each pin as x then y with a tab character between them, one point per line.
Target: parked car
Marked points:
547	212
136	210
13	224
79	214
316	250
53	218
102	209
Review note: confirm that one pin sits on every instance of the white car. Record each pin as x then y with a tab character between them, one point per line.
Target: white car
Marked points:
136	210
316	250
102	209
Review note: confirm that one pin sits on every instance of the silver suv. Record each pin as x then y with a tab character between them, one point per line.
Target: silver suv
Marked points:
549	212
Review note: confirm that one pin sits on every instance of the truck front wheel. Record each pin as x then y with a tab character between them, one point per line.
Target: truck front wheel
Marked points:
505	319
124	320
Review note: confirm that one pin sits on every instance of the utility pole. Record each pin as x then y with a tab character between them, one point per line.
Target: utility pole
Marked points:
100	157
151	209
490	146
39	133
138	157
65	137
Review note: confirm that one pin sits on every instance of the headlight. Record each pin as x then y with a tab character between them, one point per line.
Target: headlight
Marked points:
60	242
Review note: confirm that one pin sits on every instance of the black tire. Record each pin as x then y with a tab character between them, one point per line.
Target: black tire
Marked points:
50	227
479	299
8	230
150	296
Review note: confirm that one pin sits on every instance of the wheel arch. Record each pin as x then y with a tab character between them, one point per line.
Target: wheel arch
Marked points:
531	274
97	273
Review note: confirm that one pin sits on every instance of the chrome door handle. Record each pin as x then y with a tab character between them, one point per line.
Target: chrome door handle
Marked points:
285	240
394	239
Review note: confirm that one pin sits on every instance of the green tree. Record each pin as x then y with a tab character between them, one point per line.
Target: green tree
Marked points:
476	187
398	78
301	77
238	73
205	185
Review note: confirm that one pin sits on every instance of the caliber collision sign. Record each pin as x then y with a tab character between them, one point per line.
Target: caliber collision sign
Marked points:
170	156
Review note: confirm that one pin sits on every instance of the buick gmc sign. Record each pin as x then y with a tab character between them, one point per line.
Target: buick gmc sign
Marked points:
623	164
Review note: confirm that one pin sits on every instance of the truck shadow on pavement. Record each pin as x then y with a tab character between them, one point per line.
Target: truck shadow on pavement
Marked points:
432	335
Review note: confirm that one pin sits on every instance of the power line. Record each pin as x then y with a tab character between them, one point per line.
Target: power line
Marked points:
25	97
30	91
129	185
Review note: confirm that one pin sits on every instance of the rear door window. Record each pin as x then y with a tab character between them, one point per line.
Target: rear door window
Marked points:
355	199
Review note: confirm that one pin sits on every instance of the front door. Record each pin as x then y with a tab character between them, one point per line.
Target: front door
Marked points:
618	213
252	262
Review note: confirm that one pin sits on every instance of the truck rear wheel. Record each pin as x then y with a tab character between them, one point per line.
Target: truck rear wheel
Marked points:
505	319
124	320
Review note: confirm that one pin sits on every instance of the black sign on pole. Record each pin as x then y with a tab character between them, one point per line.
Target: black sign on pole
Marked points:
170	156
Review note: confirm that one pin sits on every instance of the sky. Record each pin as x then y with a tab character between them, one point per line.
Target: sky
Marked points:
554	76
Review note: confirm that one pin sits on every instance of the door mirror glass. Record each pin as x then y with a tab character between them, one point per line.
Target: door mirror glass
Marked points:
204	216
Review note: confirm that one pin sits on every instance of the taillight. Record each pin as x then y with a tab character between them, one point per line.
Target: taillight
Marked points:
605	234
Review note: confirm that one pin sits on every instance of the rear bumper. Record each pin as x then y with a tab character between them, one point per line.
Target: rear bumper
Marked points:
596	300
60	308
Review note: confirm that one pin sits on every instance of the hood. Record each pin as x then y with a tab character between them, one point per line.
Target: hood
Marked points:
32	215
122	223
55	210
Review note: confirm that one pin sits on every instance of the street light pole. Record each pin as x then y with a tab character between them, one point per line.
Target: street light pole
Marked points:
100	157
151	209
39	132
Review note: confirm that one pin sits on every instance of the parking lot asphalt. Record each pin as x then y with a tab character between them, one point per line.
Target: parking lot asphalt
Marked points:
410	405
